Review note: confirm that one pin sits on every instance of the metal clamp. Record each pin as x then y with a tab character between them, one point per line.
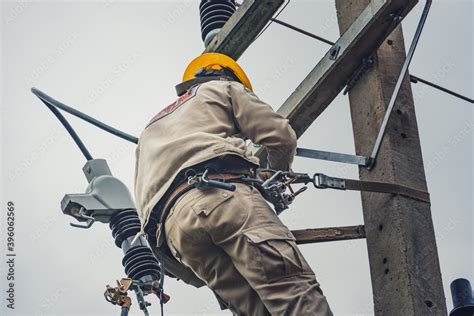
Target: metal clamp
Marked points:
142	303
202	182
271	180
366	64
82	216
322	181
334	52
118	295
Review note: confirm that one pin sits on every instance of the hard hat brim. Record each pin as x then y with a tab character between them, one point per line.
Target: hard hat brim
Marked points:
210	59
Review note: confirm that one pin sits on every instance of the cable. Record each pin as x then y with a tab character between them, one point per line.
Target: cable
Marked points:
47	99
416	79
271	19
413	78
69	128
124	311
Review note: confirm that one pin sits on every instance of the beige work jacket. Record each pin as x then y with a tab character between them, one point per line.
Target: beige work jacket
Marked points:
210	120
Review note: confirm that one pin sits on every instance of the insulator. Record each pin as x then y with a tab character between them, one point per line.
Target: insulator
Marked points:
138	261
124	224
214	14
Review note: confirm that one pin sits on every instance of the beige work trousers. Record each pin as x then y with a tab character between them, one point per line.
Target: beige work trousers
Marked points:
240	248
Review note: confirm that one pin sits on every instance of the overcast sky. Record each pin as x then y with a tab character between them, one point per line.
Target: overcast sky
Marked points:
119	62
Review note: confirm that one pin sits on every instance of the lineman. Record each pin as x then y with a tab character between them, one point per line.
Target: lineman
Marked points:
232	240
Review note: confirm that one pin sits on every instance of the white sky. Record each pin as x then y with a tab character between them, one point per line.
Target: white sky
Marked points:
119	62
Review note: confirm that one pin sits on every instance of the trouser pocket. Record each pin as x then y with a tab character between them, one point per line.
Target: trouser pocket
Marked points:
275	250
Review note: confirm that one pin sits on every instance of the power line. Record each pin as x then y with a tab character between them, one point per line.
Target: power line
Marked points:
52	102
271	19
51	105
416	79
413	78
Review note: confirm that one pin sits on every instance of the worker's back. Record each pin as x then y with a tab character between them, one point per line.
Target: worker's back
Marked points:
209	120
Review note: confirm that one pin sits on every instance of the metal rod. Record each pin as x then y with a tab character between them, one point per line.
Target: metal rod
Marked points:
416	37
331	156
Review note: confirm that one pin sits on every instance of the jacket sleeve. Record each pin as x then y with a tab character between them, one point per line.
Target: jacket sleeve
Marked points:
258	121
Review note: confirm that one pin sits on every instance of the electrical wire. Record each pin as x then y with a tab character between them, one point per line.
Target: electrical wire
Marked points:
67	126
413	78
53	105
271	20
49	100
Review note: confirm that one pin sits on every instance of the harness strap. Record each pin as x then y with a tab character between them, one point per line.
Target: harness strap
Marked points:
322	181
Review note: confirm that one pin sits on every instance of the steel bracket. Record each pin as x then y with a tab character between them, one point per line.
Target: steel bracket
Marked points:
366	64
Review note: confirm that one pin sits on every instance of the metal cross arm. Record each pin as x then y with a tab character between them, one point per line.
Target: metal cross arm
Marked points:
328	78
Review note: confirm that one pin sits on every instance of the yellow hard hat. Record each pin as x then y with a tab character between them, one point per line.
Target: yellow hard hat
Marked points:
216	61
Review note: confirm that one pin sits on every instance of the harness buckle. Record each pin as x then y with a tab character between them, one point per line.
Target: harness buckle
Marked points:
322	181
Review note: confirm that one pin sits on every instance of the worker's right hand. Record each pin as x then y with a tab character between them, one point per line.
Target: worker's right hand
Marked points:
265	174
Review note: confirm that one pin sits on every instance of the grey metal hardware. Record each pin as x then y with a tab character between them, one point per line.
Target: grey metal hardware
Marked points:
334	52
391	104
104	196
82	215
331	156
366	64
322	181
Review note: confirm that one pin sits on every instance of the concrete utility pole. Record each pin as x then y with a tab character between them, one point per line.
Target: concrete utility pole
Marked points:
403	256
